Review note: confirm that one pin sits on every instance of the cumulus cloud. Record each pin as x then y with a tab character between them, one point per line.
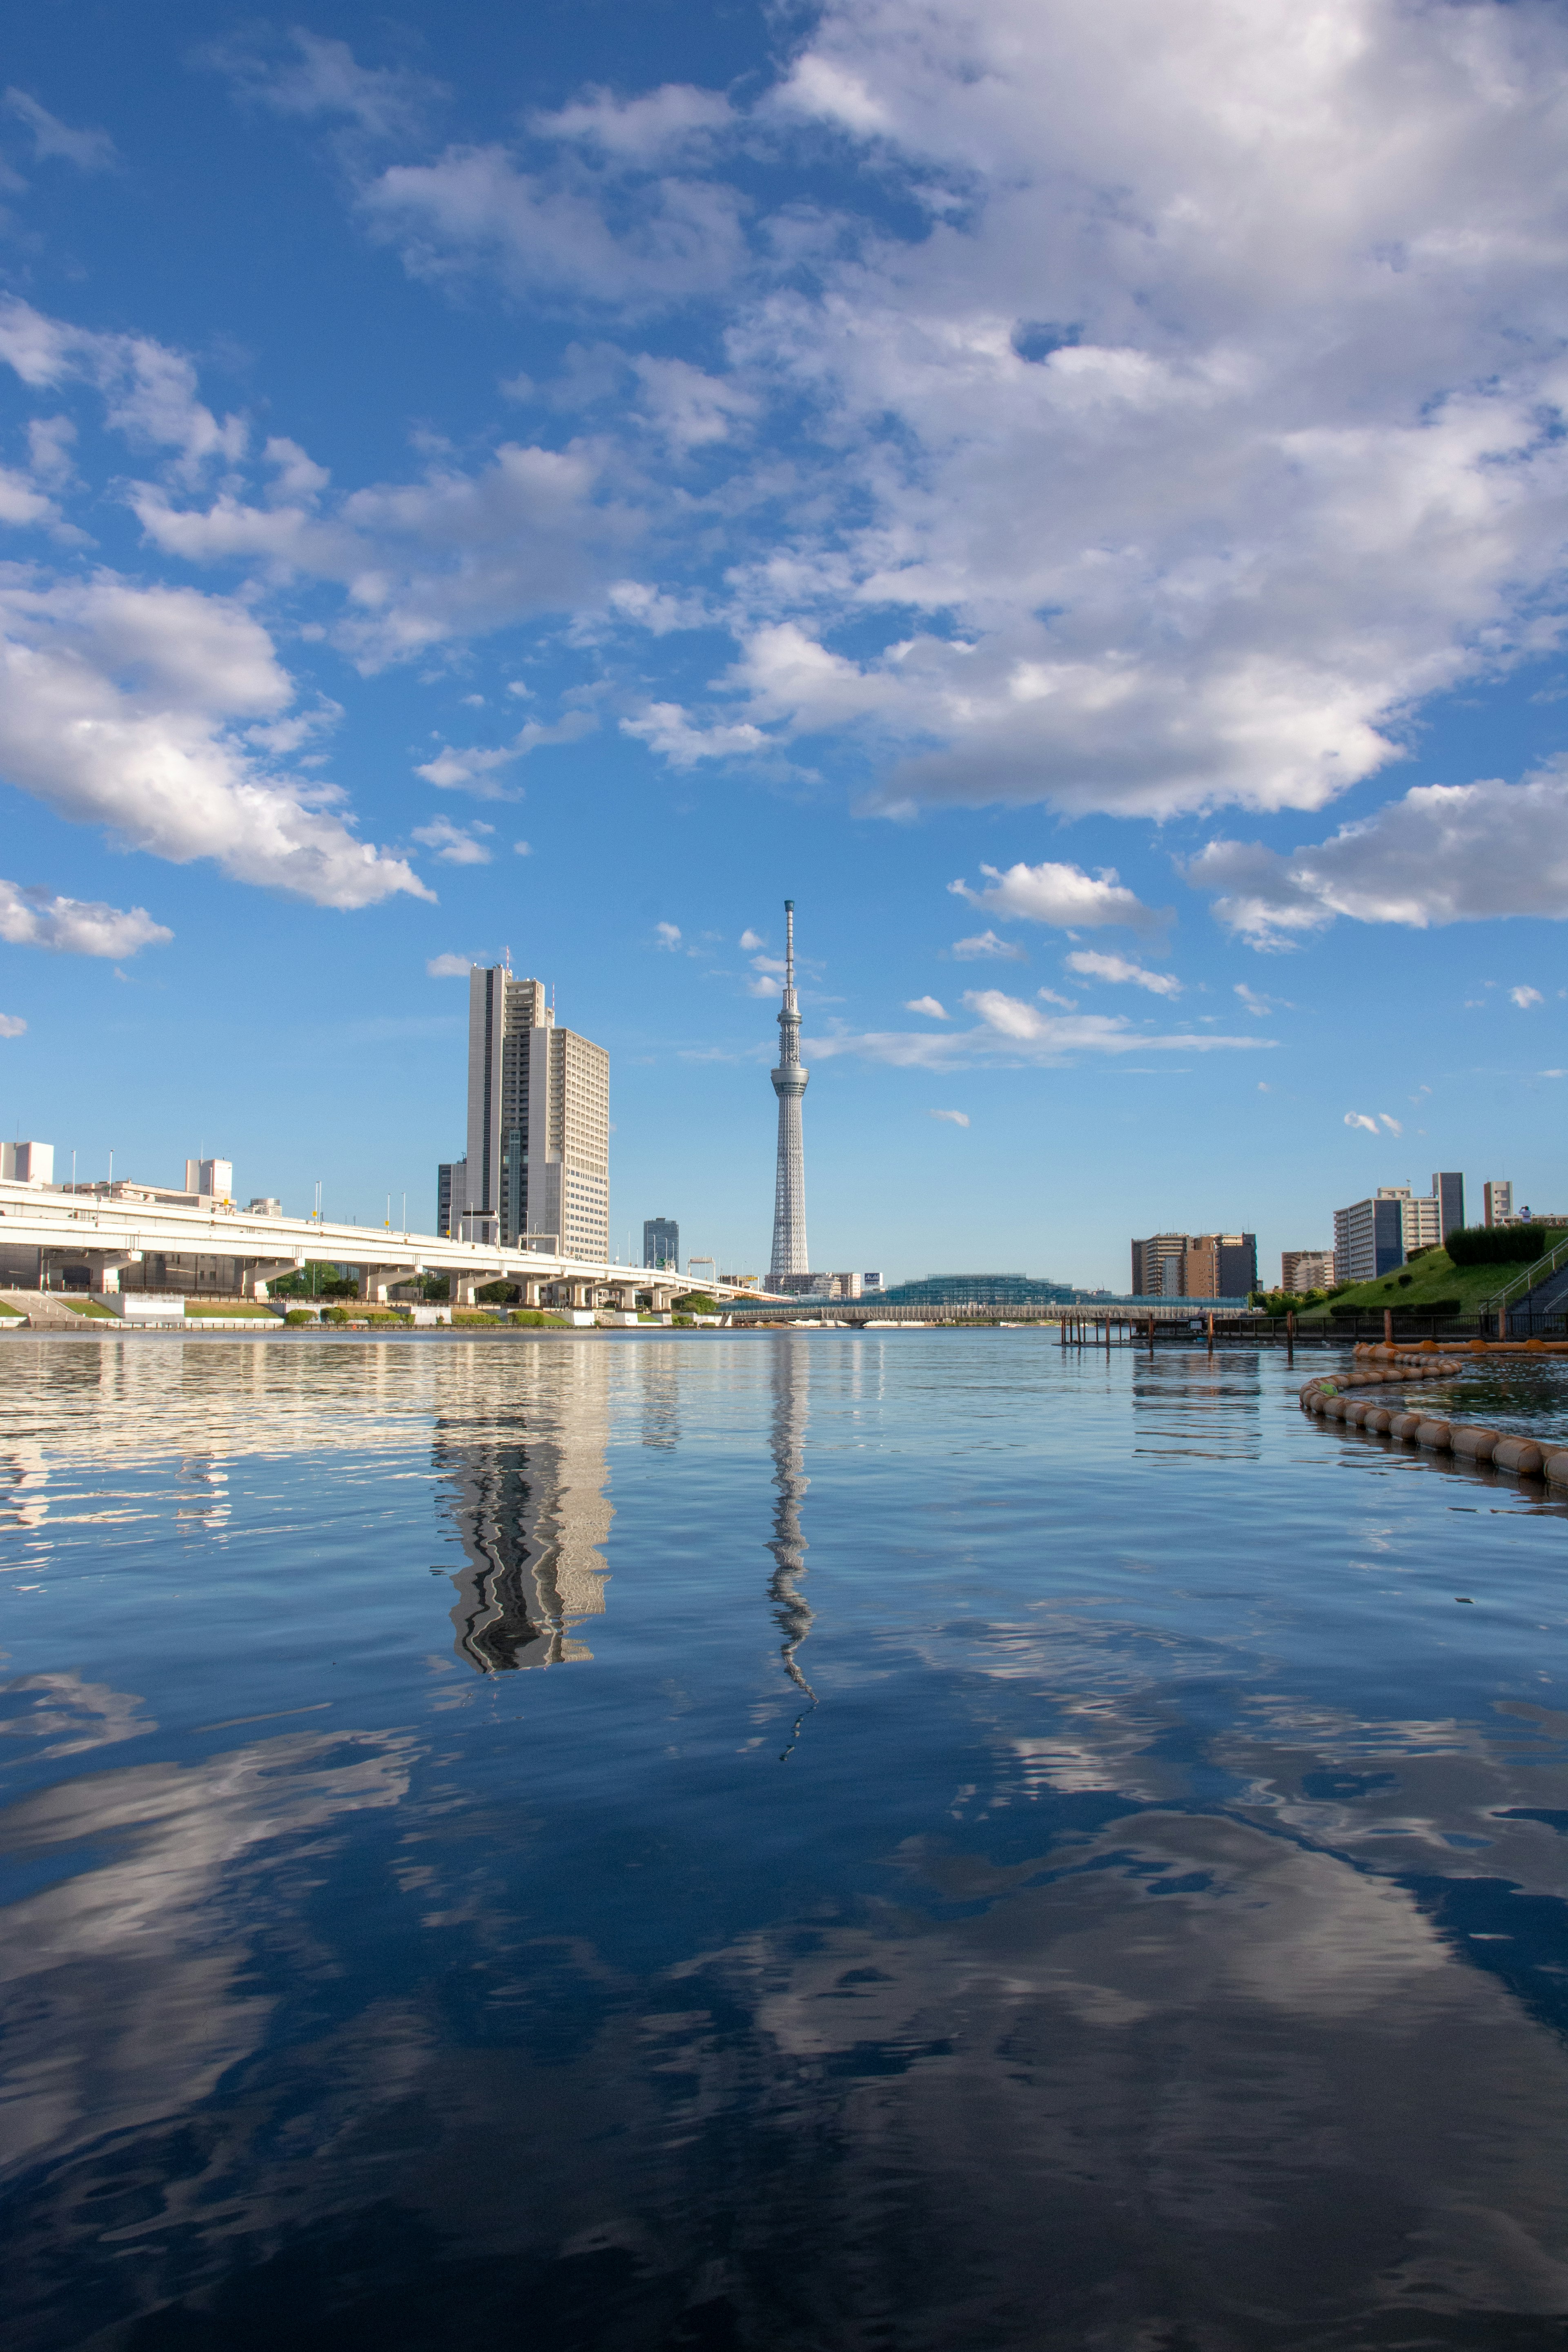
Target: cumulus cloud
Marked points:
937	1010
954	1117
12	1026
985	944
1360	1119
1443	854
120	706
1121	970
1525	997
750	939
35	919
665	727
455	844
1008	1030
646	128
448	967
1063	895
666	935
148	391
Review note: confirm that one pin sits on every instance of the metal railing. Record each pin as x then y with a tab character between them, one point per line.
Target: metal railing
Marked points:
1526	1281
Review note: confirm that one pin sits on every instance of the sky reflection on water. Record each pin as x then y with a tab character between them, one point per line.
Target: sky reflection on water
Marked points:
801	1840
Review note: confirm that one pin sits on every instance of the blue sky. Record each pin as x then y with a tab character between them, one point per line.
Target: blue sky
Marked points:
1076	498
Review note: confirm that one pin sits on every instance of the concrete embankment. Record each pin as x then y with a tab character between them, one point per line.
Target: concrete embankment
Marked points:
1335	1397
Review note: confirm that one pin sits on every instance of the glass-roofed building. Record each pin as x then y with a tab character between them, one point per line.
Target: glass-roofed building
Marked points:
979	1290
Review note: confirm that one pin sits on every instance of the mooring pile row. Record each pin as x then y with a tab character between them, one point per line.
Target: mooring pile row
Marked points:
1377	1367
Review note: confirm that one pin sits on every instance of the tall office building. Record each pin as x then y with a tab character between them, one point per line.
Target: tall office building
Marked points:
790	1253
539	1121
1499	1199
661	1243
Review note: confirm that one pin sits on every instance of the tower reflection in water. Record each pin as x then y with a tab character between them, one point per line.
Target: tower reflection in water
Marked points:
792	1614
528	1500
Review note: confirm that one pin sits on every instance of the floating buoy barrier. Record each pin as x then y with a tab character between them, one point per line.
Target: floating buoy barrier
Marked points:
1331	1396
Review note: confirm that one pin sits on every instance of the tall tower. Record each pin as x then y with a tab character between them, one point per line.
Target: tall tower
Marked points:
790	1253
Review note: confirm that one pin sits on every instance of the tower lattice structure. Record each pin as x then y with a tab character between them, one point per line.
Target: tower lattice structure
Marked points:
790	1253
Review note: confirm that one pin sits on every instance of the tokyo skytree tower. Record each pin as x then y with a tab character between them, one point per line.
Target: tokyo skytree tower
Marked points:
790	1253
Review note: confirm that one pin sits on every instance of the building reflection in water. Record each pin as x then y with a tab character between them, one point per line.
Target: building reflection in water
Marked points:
529	1504
792	1615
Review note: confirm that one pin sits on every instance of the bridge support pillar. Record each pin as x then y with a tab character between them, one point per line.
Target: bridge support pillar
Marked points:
109	1268
529	1287
374	1281
260	1271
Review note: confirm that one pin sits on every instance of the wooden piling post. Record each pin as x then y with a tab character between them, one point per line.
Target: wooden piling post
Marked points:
1289	1335
1388	1327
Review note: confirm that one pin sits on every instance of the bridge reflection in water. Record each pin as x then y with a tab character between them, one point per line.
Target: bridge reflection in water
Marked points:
530	1509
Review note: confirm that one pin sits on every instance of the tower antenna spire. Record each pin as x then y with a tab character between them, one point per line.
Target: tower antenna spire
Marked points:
790	1253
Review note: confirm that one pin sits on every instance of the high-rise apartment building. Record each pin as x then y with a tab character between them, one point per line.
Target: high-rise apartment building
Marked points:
1498	1197
661	1243
1375	1236
1194	1265
211	1180
539	1121
1448	1191
1303	1270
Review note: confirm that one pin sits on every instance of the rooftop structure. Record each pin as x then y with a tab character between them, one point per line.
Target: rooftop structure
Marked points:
790	1254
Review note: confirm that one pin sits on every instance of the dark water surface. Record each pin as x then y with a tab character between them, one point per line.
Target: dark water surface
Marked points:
810	1841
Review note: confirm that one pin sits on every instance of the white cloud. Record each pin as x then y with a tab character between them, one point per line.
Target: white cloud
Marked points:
1360	1119
688	408
522	848
148	391
1010	1031
476	205
955	1117
1392	1124
89	150
118	706
448	967
927	1004
33	919
1049	996
1119	969
750	939
322	79
1525	997
12	1026
1444	853
986	943
1063	895
665	727
455	844
645	129
666	935
472	770
1259	1005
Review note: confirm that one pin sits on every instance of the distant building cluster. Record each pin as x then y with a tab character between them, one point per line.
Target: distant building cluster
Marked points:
1375	1235
1194	1265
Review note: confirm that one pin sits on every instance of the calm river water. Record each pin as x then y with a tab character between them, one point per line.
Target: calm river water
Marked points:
791	1842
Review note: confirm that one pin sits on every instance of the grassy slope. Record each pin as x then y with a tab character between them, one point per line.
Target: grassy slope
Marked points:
1434	1275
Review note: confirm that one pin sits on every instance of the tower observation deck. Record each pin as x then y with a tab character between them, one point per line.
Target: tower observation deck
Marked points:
790	1251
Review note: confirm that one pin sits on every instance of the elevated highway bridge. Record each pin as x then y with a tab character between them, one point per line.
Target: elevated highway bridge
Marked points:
47	1232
